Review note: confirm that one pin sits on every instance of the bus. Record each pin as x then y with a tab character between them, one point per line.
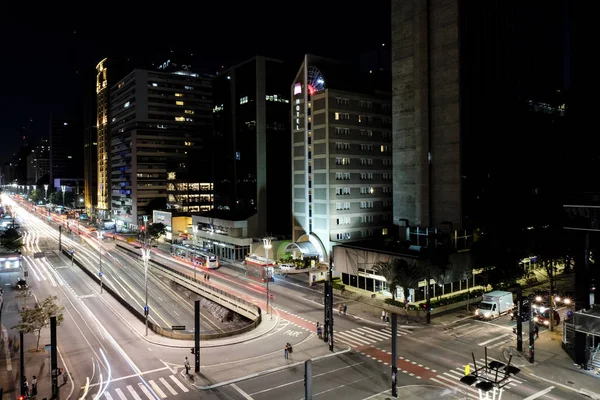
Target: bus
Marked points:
259	268
202	257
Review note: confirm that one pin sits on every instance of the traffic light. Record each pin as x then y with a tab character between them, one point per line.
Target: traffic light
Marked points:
192	350
60	371
21	397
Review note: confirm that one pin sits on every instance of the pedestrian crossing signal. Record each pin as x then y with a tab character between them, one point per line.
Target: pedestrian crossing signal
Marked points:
192	350
60	371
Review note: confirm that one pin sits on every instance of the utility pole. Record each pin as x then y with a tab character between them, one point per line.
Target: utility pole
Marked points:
267	245
197	336
531	333
328	297
53	358
22	364
308	380
59	238
394	355
519	319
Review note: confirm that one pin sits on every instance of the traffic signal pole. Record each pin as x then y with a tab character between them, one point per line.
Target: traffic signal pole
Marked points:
53	358
520	320
197	336
395	355
531	334
22	364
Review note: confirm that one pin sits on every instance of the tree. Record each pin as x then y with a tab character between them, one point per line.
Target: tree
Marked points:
37	195
389	270
550	247
408	278
35	319
11	239
55	198
157	229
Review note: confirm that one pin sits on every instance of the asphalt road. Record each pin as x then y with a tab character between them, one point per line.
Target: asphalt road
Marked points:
169	304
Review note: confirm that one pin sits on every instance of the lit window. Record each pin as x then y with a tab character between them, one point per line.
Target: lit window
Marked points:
179	103
180	119
337	116
126	105
244	100
189	111
154	84
178	94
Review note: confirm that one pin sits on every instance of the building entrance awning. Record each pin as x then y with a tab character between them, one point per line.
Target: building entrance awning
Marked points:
306	248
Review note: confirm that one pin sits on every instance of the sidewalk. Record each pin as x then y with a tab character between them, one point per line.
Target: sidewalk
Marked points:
553	365
218	375
36	362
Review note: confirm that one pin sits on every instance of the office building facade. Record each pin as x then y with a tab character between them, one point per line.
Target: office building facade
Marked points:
252	158
38	164
65	148
160	128
341	158
90	151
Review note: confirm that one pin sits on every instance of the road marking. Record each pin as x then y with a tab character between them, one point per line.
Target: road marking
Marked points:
166	384
174	379
302	380
240	391
292	333
144	389
157	389
540	393
108	396
120	393
133	393
494	339
469	331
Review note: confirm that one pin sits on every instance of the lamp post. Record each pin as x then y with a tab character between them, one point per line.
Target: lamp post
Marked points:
63	188
46	193
267	245
146	258
195	231
99	234
145	219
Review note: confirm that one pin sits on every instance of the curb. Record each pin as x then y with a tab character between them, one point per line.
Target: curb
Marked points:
183	346
270	371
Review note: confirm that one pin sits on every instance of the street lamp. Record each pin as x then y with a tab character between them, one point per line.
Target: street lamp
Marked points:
63	188
100	234
46	193
145	218
146	258
195	231
267	245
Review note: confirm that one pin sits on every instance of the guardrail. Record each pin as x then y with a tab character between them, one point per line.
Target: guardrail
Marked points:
155	327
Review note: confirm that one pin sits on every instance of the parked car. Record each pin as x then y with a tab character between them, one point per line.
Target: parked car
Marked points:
21	284
287	267
543	318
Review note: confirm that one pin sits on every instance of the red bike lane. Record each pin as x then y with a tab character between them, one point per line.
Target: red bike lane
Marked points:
405	366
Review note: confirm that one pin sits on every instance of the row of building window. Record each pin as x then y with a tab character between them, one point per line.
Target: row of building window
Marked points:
363	204
345	176
342	191
341	101
363	132
268	97
363	233
360	118
385	148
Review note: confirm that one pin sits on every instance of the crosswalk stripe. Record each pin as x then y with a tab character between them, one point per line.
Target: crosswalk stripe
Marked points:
166	384
449	378
181	386
157	389
372	331
353	337
120	394
370	335
399	333
144	389
494	339
348	342
133	393
108	396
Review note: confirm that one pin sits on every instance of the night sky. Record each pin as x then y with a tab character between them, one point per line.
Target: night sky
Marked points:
48	57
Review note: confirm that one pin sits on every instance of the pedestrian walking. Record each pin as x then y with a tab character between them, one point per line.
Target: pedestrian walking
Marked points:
319	332
34	386
186	364
536	331
383	315
387	317
345	308
286	352
340	309
25	387
208	278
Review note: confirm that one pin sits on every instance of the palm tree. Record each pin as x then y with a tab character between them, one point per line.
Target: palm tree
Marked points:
389	270
408	277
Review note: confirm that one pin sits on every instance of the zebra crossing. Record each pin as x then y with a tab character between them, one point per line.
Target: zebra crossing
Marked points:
471	328
363	336
152	390
451	379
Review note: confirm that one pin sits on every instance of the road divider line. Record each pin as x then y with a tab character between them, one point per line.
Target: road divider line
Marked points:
270	371
240	391
540	393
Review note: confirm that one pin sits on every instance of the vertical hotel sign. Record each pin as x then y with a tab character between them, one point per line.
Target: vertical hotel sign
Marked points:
297	91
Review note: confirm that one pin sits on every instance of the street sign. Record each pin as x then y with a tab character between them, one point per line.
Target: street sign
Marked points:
178	328
100	274
72	251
